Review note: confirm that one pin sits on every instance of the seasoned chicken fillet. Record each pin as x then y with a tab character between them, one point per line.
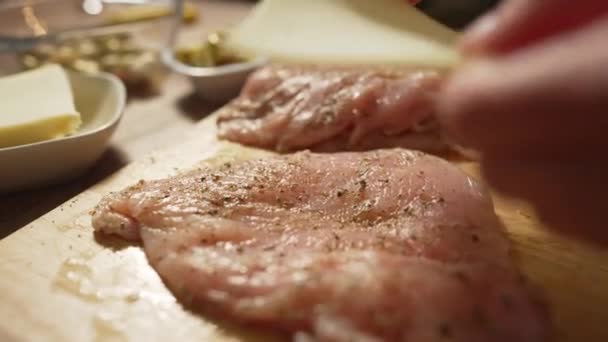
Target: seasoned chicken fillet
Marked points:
389	245
288	108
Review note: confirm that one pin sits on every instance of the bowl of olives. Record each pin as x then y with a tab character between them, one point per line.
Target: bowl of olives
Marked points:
216	73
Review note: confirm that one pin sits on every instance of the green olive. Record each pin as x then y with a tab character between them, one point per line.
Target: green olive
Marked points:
85	65
129	46
65	54
111	44
117	53
210	53
144	60
45	50
136	62
29	61
86	47
110	61
216	38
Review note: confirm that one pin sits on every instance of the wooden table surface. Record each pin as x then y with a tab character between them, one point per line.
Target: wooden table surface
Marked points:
148	124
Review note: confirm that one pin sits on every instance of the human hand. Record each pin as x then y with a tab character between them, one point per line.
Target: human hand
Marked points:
533	101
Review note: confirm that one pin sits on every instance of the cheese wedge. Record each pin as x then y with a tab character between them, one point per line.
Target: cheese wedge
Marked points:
385	32
36	105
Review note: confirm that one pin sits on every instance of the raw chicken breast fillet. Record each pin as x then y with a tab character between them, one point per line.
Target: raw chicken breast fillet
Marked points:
289	108
389	245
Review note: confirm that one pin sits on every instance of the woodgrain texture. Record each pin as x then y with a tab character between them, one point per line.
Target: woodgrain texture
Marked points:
61	283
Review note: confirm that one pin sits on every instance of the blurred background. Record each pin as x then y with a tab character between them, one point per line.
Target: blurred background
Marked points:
456	14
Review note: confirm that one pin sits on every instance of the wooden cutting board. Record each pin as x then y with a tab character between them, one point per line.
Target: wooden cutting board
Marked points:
59	282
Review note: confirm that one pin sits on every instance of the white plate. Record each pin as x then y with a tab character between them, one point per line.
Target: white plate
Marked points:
100	99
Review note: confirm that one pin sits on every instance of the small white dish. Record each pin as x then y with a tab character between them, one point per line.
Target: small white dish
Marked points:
217	84
100	99
214	84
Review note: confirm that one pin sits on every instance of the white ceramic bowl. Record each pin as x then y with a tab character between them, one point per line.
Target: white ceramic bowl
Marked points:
100	99
215	84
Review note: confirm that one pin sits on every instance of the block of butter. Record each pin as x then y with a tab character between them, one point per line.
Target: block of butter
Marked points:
382	32
36	105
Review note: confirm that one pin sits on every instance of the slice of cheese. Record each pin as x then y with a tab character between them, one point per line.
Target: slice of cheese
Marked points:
385	32
36	105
